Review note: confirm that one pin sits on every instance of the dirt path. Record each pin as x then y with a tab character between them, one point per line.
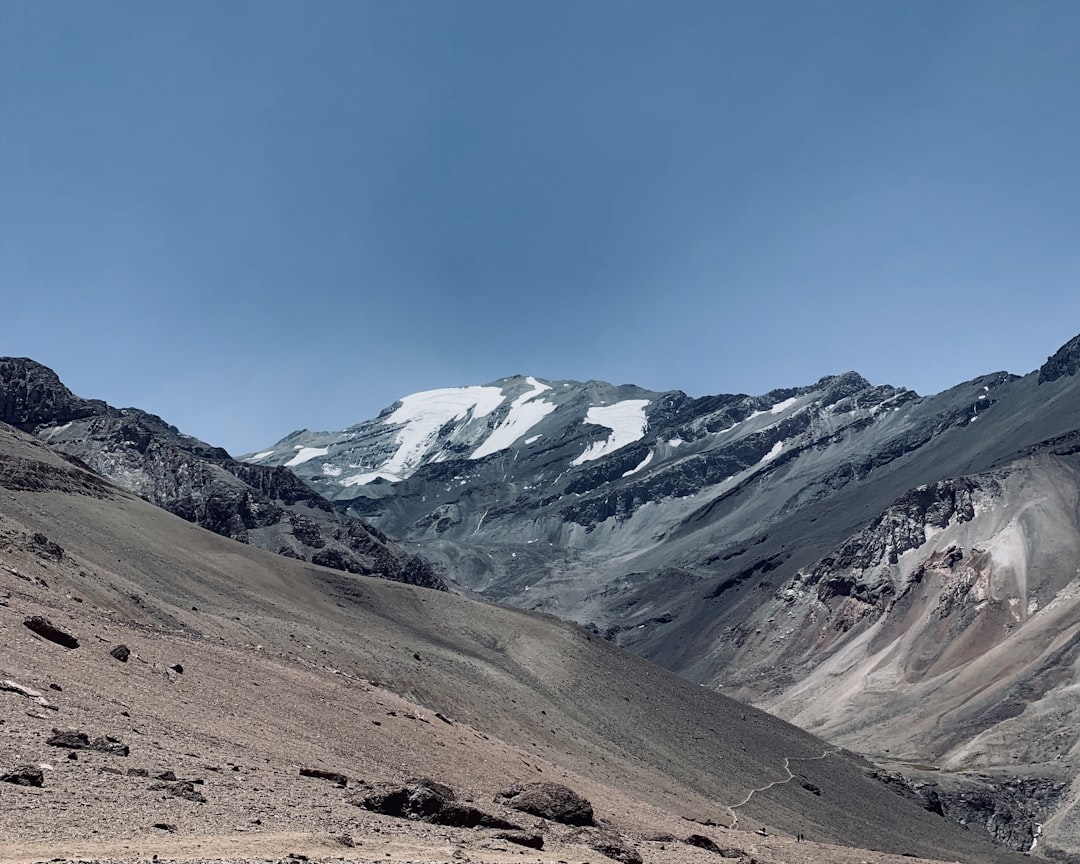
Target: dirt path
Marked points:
731	808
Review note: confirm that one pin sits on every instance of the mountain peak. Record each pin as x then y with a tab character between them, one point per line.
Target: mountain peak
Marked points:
1066	361
32	394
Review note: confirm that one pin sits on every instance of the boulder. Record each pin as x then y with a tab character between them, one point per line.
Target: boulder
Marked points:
81	741
548	801
427	801
47	630
26	775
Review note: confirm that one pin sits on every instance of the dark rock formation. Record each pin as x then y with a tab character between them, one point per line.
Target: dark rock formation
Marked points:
181	789
26	775
548	801
319	773
81	741
427	801
1065	361
263	506
47	630
121	653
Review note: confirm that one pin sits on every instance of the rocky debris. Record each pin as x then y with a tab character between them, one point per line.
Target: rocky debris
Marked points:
427	801
165	826
26	775
121	653
548	801
615	847
320	774
81	741
10	686
177	668
47	630
531	839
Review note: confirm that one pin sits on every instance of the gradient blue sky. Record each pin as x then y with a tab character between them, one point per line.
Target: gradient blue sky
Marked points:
250	217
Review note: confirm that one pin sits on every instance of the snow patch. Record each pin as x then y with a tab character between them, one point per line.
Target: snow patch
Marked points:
776	450
303	454
57	429
780	407
524	414
534	439
675	442
640	466
331	470
258	457
627	423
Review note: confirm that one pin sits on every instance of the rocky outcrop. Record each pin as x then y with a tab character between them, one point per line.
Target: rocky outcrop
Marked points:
32	394
851	571
74	740
1011	810
1065	361
263	506
427	801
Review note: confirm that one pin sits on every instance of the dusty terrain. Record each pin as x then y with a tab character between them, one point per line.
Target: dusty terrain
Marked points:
283	665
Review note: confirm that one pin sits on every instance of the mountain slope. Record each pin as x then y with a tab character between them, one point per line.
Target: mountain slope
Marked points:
524	695
748	543
264	506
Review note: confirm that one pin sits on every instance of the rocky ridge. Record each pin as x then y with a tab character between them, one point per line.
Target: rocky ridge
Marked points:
261	505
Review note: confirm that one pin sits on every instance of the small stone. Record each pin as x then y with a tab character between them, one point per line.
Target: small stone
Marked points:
121	653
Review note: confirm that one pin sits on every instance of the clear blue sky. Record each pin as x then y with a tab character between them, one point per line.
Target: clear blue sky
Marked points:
250	217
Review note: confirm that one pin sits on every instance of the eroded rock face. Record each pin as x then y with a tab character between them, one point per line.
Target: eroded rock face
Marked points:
549	801
1010	810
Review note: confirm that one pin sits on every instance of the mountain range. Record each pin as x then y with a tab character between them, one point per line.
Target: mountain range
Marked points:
893	571
896	573
169	691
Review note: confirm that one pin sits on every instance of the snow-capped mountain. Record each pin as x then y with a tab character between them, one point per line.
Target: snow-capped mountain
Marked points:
825	550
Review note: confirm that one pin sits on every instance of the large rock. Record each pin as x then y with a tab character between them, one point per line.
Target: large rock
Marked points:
26	775
549	801
427	801
73	740
47	630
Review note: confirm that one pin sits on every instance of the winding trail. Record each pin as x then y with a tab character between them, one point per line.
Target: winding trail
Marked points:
731	808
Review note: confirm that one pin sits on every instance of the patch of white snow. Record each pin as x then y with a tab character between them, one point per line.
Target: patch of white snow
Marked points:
777	449
627	423
303	454
534	439
780	407
258	457
524	414
640	466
